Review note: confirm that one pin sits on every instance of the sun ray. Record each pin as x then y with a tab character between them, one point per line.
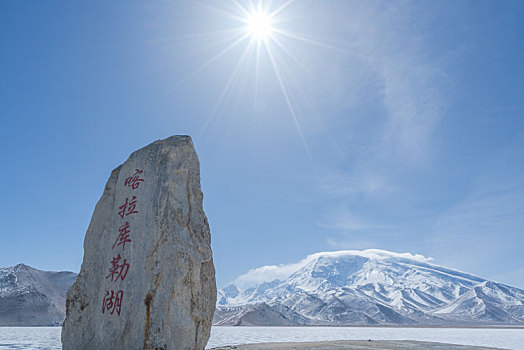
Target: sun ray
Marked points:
214	9
257	68
259	22
197	36
232	78
288	101
214	58
285	49
311	41
226	89
242	8
278	10
255	7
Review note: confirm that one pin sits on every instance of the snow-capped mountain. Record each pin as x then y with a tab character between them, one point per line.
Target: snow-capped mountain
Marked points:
30	297
373	287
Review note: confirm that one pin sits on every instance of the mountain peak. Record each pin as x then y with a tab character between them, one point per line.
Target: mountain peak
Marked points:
22	266
269	273
31	297
231	291
373	287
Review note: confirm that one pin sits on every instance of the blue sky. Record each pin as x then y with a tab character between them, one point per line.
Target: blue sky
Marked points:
396	125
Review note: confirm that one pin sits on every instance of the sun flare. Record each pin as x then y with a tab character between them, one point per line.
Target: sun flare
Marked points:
265	36
259	25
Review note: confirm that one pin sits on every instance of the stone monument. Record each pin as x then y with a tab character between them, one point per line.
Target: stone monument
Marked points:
147	279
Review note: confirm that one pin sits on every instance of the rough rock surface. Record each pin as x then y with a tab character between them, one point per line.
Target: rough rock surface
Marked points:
147	279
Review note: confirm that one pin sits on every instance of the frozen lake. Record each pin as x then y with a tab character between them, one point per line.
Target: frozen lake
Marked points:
32	338
501	338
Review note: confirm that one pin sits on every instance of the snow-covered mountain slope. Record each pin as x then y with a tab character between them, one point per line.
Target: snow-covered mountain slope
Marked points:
376	287
30	297
259	315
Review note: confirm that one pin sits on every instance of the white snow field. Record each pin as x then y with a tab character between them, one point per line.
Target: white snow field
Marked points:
48	338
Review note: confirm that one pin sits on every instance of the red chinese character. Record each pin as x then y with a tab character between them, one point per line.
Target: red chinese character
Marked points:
123	236
128	207
113	302
118	269
134	180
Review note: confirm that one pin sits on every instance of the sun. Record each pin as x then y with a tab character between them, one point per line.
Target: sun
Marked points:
259	25
262	31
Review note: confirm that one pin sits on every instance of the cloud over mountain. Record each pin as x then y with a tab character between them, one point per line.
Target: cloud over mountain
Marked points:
269	273
369	287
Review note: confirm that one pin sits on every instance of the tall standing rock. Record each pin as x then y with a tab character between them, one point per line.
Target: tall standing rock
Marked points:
147	279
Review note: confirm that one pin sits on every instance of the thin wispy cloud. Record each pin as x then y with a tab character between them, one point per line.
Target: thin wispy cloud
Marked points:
489	217
396	83
344	220
414	108
339	184
409	82
402	96
348	242
480	216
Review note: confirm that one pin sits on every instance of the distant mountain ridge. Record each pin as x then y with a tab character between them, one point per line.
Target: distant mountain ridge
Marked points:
372	287
31	297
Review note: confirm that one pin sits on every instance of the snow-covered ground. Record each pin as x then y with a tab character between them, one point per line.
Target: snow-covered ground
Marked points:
499	338
48	338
